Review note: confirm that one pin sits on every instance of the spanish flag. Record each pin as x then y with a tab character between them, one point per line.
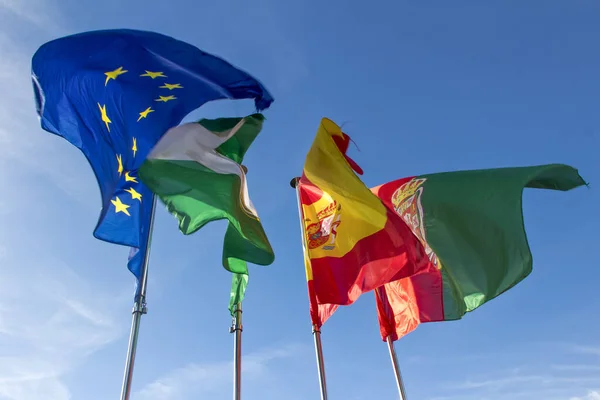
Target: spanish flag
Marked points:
353	243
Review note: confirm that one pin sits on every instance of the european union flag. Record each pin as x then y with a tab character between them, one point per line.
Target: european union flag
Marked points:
113	94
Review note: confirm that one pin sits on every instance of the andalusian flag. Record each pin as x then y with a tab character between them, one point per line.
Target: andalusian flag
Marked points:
471	226
196	171
354	244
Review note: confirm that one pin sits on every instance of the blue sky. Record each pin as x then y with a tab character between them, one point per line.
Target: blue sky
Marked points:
425	87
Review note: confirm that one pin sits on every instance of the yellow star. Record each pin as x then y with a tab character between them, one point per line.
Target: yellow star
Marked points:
145	113
154	75
105	118
134	148
171	86
129	178
134	195
120	167
120	207
113	74
165	98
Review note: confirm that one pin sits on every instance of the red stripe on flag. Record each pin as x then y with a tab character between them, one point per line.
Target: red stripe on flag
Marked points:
309	193
403	304
342	142
377	259
319	313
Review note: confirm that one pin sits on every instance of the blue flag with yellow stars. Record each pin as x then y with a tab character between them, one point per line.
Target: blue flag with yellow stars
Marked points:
113	94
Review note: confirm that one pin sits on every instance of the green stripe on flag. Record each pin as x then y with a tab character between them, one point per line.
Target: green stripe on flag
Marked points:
195	170
474	224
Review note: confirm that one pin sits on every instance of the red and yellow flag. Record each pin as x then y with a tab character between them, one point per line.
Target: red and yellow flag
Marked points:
354	244
471	226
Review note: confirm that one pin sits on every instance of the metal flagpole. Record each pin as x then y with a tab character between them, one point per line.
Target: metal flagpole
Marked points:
236	327
320	362
139	308
396	367
316	330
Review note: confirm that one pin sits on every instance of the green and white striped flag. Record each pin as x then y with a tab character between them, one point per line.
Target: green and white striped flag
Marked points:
195	170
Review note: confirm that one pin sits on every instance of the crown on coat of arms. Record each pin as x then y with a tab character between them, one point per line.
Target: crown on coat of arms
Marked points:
406	190
328	211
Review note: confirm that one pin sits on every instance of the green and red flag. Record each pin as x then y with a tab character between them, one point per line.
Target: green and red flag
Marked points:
470	224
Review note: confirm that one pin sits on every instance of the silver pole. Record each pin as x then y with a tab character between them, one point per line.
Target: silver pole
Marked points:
316	330
320	362
139	308
237	328
396	367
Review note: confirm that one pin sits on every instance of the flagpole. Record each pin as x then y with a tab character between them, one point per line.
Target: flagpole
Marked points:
236	327
139	309
320	361
396	367
315	329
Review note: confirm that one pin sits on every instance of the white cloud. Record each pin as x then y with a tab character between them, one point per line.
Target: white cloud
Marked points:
592	395
502	382
24	146
576	367
496	382
590	350
531	379
196	379
50	321
41	13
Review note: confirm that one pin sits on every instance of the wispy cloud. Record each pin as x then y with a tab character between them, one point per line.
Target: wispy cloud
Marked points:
496	382
511	381
41	13
197	379
530	378
590	350
23	144
50	321
512	354
540	386
576	367
592	395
